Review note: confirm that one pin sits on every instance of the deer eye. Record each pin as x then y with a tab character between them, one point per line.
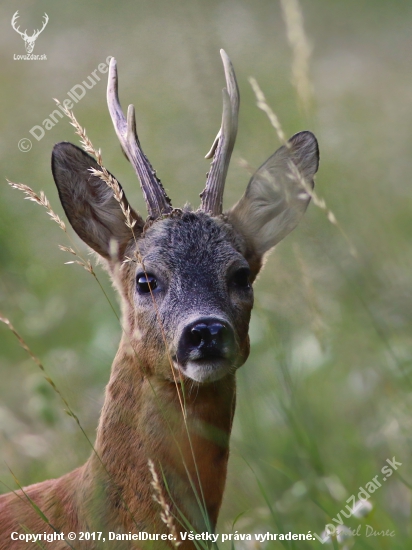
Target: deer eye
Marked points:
145	283
241	278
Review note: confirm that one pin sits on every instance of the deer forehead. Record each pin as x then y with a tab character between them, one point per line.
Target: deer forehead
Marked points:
191	241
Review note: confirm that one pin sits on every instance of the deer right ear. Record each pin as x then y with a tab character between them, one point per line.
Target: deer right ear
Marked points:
276	197
89	203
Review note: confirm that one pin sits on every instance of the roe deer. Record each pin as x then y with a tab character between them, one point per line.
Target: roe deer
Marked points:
185	281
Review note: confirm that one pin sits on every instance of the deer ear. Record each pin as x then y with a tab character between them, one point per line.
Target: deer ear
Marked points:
275	199
89	203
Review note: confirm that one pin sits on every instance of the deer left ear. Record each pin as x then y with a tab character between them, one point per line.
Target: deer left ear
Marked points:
276	199
89	203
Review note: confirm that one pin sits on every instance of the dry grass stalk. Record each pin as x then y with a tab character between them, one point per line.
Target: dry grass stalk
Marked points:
294	171
39	199
243	163
320	203
165	515
34	357
67	249
42	200
21	341
118	194
81	132
263	104
86	264
103	174
138	259
293	17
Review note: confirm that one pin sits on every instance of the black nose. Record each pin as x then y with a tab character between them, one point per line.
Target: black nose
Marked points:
203	334
206	338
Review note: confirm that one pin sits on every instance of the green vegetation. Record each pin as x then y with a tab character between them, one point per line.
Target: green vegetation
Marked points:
325	398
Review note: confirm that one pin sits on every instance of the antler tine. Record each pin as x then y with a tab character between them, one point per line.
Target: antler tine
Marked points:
221	150
157	201
46	20
13	24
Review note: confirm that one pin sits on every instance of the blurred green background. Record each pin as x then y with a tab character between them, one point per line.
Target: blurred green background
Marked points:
325	397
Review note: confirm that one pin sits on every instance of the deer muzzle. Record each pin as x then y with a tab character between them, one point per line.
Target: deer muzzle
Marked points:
206	349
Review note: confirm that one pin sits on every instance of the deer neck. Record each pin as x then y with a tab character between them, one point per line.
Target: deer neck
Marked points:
141	421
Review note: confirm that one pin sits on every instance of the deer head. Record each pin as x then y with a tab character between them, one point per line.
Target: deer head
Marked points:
188	294
29	41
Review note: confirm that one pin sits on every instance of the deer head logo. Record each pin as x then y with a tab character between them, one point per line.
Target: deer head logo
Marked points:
29	41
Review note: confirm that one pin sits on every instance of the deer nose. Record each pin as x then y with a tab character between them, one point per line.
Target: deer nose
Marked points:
203	334
206	338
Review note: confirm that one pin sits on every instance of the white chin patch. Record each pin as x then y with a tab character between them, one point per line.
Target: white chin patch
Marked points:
204	371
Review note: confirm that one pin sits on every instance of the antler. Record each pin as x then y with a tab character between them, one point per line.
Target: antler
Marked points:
221	150
157	201
13	24
46	20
